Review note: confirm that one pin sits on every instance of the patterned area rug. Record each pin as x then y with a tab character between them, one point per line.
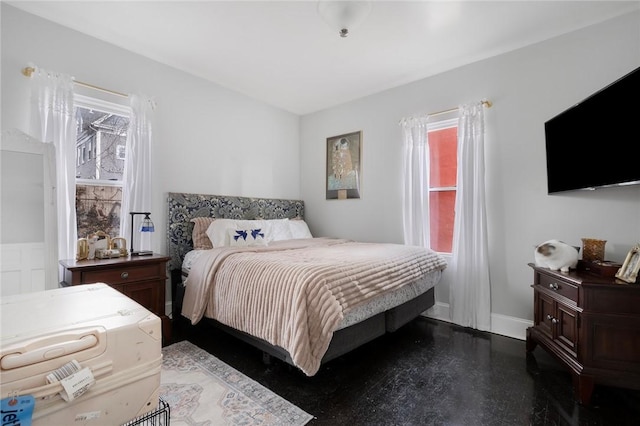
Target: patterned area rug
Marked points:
202	390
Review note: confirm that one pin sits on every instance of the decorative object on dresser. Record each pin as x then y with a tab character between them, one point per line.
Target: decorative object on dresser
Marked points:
591	324
142	279
145	226
120	244
593	249
102	240
606	268
107	253
99	240
82	249
631	266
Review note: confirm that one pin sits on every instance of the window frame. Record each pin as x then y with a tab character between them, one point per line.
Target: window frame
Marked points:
104	106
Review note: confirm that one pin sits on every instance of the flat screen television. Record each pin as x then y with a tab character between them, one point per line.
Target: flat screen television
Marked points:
595	143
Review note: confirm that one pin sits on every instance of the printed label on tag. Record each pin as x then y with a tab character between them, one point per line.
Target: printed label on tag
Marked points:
17	410
76	384
91	415
65	371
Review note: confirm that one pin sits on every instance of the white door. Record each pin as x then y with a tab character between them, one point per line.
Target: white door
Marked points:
28	241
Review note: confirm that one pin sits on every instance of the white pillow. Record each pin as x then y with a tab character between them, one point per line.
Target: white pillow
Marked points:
275	229
279	229
299	229
247	237
217	231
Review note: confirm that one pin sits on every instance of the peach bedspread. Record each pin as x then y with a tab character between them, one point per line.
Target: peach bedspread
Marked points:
294	293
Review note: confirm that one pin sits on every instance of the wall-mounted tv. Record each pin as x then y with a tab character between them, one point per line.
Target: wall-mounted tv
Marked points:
595	143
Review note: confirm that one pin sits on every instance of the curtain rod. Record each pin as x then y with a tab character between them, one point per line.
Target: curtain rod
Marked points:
484	102
30	70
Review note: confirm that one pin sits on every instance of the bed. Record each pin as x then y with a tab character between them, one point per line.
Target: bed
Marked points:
251	267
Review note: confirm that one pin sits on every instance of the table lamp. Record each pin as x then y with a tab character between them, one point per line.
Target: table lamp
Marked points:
145	226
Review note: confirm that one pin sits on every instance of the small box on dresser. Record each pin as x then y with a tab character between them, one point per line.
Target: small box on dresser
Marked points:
591	324
142	279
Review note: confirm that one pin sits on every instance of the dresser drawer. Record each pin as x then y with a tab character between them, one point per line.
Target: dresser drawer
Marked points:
123	274
558	286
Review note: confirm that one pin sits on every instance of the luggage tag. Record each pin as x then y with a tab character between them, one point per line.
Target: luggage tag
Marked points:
74	379
17	410
77	384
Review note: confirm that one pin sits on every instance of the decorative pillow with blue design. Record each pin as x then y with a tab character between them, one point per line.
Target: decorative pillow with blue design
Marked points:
247	237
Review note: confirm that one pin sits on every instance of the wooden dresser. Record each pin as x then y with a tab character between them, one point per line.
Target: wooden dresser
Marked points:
591	324
142	278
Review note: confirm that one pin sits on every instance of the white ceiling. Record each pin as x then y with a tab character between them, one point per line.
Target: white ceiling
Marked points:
283	53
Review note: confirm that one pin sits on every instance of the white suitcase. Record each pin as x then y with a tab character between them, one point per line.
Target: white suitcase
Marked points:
100	328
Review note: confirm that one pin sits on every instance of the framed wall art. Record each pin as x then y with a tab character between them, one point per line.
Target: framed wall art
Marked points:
631	266
343	166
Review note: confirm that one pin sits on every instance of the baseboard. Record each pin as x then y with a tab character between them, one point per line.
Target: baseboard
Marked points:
510	326
500	324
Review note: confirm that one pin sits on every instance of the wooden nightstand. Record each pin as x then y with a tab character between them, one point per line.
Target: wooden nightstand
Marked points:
591	324
142	278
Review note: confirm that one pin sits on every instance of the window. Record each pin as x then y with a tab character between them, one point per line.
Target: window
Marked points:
443	170
100	146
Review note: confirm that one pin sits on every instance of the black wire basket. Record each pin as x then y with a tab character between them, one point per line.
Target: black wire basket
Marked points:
158	417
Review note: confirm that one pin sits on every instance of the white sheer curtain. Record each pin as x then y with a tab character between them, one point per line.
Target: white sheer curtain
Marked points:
415	183
470	294
53	121
136	188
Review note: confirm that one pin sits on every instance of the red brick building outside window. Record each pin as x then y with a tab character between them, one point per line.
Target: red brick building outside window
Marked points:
443	169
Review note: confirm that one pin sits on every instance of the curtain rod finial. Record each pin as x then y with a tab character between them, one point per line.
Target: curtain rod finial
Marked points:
487	103
27	71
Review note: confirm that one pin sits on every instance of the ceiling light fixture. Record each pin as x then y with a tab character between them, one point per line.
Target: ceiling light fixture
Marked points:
344	15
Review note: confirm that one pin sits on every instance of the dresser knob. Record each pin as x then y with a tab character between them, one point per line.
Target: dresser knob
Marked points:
124	275
553	286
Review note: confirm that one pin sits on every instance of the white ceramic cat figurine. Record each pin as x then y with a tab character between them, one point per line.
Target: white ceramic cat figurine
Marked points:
556	255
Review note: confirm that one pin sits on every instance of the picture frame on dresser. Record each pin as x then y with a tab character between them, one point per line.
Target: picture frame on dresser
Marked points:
631	266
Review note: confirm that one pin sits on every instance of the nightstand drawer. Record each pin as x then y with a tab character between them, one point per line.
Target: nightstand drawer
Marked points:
121	274
559	286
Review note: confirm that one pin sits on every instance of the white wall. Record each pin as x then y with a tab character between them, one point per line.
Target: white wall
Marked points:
208	139
527	87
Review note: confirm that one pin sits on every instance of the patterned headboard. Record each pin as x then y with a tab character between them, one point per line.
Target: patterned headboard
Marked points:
181	208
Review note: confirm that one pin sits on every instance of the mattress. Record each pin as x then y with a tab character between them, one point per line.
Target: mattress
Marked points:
366	310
